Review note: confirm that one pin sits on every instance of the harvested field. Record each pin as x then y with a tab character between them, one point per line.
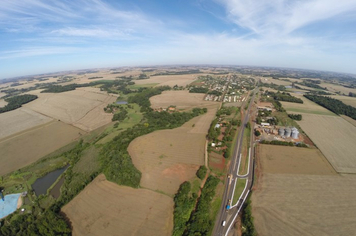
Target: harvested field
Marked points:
294	205
182	99
24	148
170	80
349	119
293	160
167	158
345	99
338	88
2	102
276	81
105	208
335	137
306	107
81	108
19	120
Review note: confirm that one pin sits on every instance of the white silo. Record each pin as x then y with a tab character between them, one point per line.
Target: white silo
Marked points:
281	131
287	132
295	133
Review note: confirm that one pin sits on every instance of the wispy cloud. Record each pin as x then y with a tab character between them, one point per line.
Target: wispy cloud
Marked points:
38	51
271	17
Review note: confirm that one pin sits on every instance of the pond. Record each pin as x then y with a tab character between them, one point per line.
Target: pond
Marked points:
42	184
121	102
56	190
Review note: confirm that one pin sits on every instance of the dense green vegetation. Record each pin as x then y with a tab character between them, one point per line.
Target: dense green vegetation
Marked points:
278	106
334	105
96	77
286	97
143	76
247	220
277	142
61	88
142	98
295	116
201	172
273	86
200	222
184	203
121	115
312	84
198	90
352	94
17	102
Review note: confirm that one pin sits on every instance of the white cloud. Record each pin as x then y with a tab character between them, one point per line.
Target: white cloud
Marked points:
272	17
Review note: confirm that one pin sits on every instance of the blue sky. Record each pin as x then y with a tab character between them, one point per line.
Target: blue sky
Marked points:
40	36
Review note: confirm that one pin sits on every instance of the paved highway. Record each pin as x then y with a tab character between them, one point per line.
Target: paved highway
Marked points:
226	218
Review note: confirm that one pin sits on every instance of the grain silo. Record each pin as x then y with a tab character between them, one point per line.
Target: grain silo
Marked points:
295	133
281	131
287	132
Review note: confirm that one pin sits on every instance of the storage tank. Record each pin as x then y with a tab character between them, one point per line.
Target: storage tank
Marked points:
287	132
281	131
295	133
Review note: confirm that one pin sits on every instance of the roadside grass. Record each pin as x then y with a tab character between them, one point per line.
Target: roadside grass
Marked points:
244	157
238	190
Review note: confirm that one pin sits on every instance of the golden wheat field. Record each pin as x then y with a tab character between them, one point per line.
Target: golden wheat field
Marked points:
105	208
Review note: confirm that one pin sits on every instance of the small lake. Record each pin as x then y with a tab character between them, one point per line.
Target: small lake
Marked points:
121	102
56	190
42	184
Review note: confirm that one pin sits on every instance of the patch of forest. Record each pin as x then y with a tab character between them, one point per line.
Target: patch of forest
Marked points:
17	101
334	105
285	97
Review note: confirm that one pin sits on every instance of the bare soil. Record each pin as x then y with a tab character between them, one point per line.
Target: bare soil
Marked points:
105	208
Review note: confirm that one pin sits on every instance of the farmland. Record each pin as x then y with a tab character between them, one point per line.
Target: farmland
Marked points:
162	160
19	120
81	108
345	99
181	99
335	137
288	204
170	80
26	147
293	160
306	107
105	208
295	194
338	88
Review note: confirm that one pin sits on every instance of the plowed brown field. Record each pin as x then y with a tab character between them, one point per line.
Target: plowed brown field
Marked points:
105	208
170	80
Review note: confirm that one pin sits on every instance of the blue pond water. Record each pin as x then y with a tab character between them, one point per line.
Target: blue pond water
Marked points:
9	205
41	185
121	102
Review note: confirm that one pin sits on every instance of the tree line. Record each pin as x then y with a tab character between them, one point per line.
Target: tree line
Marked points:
286	97
198	90
295	116
334	105
17	101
